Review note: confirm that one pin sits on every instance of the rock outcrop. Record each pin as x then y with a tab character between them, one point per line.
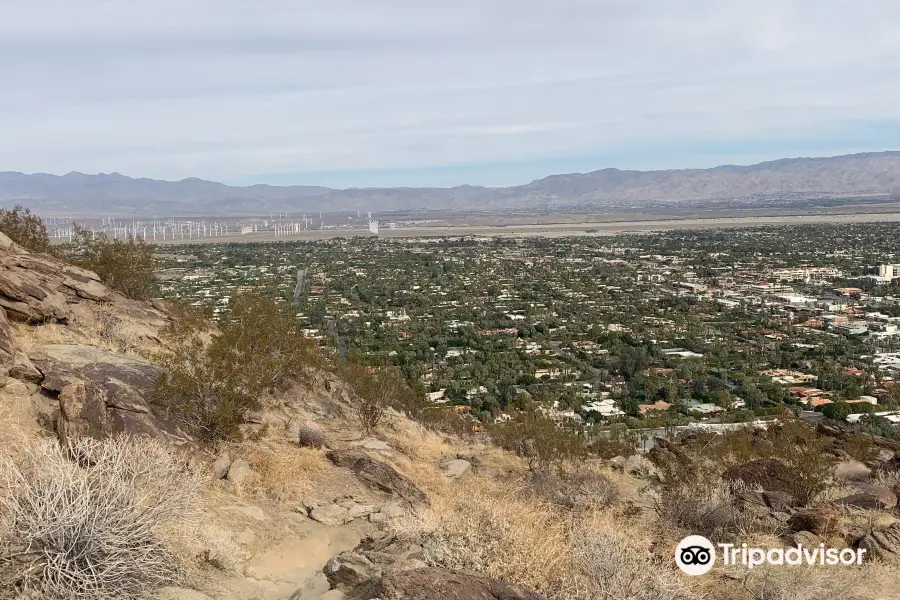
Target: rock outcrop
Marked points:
378	474
101	393
883	543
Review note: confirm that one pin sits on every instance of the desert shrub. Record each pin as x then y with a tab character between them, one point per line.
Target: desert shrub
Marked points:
91	519
583	488
615	567
126	266
618	443
26	229
539	440
374	392
284	471
311	435
443	419
212	383
708	508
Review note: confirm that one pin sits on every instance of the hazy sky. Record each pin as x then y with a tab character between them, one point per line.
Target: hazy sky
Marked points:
418	92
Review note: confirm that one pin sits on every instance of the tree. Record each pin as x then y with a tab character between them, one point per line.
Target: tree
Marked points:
26	229
126	266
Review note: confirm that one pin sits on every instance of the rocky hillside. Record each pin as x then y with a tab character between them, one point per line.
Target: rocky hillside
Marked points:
309	506
850	175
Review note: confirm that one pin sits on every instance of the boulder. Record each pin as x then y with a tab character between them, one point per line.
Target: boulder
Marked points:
617	463
667	456
360	510
105	393
816	520
863	500
638	466
455	468
350	570
371	443
431	583
768	474
883	543
378	475
241	474
220	467
330	514
884	495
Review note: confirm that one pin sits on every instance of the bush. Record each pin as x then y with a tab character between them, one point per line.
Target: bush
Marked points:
211	385
26	229
89	520
582	489
540	441
126	266
373	393
311	435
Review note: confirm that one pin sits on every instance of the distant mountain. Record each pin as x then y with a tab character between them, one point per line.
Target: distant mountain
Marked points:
77	193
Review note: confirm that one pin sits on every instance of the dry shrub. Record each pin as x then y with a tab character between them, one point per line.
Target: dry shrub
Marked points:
26	229
614	566
91	519
708	508
869	582
283	467
584	488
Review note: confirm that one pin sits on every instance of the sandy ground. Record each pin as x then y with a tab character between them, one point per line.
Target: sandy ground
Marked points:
584	228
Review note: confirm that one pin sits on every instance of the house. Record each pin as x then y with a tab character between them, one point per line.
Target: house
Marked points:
607	408
660	405
681	352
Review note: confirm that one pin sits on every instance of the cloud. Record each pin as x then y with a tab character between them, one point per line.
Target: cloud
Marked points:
225	89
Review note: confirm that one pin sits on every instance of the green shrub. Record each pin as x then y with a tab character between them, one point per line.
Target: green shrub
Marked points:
374	392
540	441
211	385
26	229
126	266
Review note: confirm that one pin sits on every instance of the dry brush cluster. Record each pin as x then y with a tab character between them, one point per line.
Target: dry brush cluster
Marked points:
93	519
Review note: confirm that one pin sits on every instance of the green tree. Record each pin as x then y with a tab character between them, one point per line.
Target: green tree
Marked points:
26	229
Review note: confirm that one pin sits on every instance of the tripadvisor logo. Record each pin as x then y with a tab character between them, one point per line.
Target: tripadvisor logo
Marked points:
696	555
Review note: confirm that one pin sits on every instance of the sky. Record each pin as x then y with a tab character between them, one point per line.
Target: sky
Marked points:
351	93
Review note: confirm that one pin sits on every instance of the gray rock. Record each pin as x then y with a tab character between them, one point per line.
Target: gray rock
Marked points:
806	539
250	512
455	468
393	510
241	474
431	583
330	514
220	467
378	475
350	570
617	463
373	444
360	510
378	517
883	543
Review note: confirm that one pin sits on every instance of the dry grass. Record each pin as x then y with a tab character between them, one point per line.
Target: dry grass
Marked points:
281	467
91	520
476	526
869	582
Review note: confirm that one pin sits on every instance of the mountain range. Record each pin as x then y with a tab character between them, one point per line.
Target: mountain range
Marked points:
873	173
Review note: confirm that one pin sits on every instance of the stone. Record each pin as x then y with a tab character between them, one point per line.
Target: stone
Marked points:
307	505
884	495
883	543
378	517
779	501
393	510
820	520
330	514
639	467
333	595
431	583
350	570
241	474
455	468
373	444
617	463
360	510
378	475
768	474
852	470
345	502
113	400
250	512
863	500
220	467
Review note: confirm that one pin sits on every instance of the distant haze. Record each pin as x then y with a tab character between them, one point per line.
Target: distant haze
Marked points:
76	193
